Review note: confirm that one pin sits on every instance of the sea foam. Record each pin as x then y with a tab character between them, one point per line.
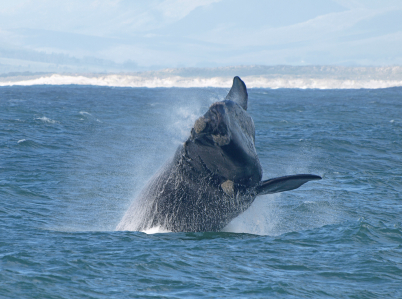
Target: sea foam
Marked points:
46	120
255	77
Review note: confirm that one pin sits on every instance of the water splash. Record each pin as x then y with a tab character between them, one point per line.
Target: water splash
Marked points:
261	218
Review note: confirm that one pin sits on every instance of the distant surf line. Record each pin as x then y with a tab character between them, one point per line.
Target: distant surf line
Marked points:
116	80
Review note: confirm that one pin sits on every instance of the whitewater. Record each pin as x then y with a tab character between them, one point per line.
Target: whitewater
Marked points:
255	76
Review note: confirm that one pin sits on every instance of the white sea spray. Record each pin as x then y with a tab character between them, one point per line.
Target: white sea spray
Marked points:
256	77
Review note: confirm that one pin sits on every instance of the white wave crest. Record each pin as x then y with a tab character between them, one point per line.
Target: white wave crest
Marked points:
223	82
46	120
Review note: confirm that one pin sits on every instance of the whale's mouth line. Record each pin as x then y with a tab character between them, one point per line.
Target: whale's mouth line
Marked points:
205	142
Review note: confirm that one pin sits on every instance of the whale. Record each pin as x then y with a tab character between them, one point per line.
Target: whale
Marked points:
213	177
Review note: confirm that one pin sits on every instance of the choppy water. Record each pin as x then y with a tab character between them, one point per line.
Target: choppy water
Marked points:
72	158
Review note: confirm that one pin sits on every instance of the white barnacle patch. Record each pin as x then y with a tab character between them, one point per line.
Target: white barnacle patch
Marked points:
221	140
200	125
228	187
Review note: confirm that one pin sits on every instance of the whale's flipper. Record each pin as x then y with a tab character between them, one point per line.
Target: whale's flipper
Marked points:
238	93
284	183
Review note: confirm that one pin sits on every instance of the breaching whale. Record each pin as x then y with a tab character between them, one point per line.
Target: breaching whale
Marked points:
213	177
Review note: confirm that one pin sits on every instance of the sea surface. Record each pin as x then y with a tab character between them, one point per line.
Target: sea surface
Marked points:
73	158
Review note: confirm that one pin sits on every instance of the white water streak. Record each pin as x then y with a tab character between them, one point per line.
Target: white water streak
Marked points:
46	120
223	82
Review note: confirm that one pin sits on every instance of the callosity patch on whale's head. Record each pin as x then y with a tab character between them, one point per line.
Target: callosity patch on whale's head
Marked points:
222	140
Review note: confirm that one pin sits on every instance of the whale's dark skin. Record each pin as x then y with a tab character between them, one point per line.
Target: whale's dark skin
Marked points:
213	177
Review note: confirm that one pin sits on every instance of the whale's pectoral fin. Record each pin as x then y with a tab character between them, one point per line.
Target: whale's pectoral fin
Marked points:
238	93
284	183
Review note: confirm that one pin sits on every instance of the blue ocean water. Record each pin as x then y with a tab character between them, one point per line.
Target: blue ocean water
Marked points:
73	158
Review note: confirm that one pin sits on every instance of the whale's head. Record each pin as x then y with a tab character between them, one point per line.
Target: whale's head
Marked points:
222	140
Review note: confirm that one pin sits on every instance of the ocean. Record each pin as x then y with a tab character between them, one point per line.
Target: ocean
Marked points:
74	157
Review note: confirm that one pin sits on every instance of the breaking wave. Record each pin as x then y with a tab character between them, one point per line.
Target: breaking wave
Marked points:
115	80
